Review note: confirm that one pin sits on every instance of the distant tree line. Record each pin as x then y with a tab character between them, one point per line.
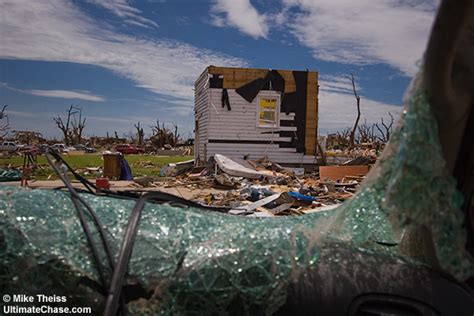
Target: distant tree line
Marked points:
72	127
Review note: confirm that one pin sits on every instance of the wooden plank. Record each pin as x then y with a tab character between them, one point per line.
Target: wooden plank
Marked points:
339	172
236	77
311	128
290	85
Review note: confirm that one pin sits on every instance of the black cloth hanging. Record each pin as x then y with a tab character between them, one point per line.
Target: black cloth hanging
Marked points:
225	99
273	80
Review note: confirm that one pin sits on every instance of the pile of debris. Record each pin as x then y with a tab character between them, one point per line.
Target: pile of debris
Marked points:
262	188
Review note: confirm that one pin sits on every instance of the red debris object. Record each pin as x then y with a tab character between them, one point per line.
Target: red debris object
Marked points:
102	183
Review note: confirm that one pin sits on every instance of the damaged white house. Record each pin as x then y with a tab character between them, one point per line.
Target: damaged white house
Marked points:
252	113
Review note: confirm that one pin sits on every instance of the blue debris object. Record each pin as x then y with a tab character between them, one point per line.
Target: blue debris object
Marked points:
301	197
125	171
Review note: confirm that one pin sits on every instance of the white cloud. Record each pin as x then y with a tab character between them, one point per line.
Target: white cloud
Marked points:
338	110
129	14
364	31
240	14
59	31
64	94
21	114
333	83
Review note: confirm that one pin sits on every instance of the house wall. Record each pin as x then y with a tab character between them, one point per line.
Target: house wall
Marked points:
201	116
235	132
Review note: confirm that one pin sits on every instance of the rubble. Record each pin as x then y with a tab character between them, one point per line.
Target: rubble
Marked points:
10	175
261	188
173	169
336	173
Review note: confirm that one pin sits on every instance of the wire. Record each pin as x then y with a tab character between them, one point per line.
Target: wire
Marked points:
166	197
76	198
116	284
89	185
114	295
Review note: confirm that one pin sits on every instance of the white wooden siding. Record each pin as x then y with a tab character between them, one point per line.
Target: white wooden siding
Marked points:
257	151
201	115
239	124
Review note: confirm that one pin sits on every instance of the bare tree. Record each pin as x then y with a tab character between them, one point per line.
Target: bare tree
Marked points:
366	133
176	136
162	135
4	125
131	137
78	124
65	127
357	96
140	134
155	128
72	126
385	130
343	136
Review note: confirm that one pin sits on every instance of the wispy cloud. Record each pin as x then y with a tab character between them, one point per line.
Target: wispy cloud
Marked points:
337	105
334	83
129	14
64	94
121	120
59	31
22	114
364	32
240	14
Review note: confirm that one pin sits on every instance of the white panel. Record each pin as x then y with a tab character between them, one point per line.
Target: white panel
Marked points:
217	122
257	151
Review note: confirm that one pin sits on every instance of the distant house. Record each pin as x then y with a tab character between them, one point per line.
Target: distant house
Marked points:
252	113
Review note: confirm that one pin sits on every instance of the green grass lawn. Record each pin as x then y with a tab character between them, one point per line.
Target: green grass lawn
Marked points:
140	164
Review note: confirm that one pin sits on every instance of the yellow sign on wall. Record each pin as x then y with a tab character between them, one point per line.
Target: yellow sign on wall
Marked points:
268	104
268	111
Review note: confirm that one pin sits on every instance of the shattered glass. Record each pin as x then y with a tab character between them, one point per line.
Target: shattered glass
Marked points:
10	175
194	261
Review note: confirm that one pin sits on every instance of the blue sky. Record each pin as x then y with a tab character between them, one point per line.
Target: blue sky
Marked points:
128	61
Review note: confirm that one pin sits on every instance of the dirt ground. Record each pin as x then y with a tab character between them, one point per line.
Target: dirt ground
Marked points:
181	191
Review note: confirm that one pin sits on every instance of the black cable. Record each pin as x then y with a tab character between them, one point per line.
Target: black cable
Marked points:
83	222
75	198
166	197
89	185
114	295
116	284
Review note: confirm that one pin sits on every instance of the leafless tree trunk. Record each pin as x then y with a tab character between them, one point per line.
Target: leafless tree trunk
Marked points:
4	125
357	96
162	135
140	134
65	127
176	136
343	136
78	125
73	127
385	130
366	133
